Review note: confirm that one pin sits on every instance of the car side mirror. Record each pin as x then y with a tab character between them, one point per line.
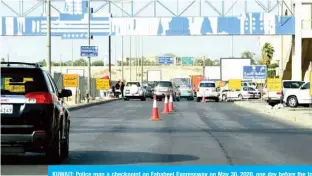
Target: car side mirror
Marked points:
65	93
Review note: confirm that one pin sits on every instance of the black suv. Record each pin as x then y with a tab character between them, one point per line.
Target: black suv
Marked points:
33	117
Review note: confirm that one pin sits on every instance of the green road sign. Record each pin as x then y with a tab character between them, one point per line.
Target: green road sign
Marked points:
187	60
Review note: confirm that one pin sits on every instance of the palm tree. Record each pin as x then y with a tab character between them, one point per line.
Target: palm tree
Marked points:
249	55
267	54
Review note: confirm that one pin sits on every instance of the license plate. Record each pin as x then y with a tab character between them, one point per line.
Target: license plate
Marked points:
6	109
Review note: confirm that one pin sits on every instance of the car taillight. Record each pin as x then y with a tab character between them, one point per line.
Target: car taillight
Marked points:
40	97
249	92
279	93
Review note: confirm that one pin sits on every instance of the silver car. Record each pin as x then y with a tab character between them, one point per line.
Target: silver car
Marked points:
149	90
134	90
163	88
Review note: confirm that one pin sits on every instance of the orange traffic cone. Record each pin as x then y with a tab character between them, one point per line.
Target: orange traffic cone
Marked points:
171	109
203	99
155	114
166	105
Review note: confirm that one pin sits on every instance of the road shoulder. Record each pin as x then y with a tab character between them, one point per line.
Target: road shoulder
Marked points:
302	118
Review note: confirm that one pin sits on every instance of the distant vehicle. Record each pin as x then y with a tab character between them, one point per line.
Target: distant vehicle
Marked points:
148	88
195	82
208	90
134	90
243	93
249	84
276	97
300	96
33	116
163	88
184	83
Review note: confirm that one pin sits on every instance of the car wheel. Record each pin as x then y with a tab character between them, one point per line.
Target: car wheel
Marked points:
65	143
178	99
198	99
217	99
292	101
54	150
126	99
224	97
240	97
143	99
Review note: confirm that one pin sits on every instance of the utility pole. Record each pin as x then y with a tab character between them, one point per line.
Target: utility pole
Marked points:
130	60
49	35
89	58
122	50
142	61
136	57
109	48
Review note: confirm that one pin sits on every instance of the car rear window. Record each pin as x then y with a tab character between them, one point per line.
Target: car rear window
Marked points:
17	81
251	89
207	85
292	84
164	84
133	83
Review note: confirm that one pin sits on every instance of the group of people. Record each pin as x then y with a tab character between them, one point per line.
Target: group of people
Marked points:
119	86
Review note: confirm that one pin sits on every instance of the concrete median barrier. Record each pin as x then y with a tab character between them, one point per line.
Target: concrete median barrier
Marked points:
92	103
290	116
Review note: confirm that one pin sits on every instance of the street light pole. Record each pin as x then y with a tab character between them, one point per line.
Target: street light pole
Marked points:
89	59
49	35
130	60
142	62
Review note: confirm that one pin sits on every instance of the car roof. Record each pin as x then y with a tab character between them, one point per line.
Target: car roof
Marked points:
24	65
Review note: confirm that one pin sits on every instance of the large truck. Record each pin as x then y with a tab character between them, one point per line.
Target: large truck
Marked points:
184	82
195	82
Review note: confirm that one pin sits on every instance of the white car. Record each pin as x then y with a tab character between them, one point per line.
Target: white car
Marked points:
300	96
134	90
208	90
249	92
276	97
243	93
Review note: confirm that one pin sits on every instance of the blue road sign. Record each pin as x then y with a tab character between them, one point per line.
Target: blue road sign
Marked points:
165	60
255	72
89	51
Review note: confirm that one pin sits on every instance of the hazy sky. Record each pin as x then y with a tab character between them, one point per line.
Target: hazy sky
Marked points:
34	48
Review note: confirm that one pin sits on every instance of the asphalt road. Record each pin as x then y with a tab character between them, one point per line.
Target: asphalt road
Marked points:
120	133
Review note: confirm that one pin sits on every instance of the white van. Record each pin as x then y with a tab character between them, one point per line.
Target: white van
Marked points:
209	90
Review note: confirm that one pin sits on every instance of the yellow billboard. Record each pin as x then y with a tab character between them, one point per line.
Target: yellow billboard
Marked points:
70	80
274	84
235	84
102	84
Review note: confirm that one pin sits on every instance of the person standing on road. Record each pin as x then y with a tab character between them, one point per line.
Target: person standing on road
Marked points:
122	86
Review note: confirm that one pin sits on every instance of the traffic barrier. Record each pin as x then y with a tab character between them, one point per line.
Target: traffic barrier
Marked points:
171	108
166	105
155	114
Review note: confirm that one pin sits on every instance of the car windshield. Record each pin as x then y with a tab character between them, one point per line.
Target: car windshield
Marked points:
181	81
164	84
207	85
133	84
16	81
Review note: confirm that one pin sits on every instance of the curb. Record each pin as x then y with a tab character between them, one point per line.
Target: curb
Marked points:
291	118
82	106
